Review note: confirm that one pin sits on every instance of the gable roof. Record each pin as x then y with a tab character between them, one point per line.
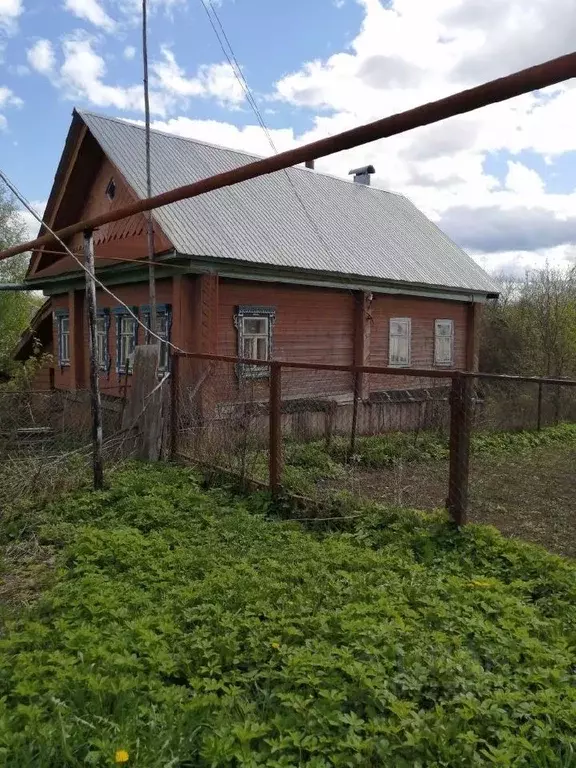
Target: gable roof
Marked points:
299	219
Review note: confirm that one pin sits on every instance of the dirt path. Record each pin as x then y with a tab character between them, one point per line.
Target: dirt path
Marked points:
526	496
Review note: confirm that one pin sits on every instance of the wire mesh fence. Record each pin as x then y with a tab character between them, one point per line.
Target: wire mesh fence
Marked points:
398	437
220	420
521	475
46	441
496	450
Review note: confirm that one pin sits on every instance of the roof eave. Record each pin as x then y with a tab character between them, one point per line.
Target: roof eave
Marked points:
271	273
237	269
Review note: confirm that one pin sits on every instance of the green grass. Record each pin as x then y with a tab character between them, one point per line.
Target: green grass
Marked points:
184	628
308	463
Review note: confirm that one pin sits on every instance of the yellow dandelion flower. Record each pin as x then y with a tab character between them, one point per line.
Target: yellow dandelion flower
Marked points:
121	756
276	646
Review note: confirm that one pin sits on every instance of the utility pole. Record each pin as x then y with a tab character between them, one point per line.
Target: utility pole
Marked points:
149	221
96	403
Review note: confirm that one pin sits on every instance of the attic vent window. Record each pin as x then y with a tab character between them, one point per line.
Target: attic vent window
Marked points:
111	190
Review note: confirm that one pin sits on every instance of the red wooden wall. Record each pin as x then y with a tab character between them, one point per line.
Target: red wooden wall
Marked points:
311	324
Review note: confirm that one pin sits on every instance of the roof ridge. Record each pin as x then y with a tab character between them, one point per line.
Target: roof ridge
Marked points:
189	139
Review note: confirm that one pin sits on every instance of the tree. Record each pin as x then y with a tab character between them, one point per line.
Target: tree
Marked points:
531	329
16	307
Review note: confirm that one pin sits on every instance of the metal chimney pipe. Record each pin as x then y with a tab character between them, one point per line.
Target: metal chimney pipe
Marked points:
362	175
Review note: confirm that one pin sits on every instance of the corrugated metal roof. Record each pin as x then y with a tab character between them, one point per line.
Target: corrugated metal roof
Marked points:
355	230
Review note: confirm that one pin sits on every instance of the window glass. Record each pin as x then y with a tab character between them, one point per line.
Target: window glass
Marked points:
399	353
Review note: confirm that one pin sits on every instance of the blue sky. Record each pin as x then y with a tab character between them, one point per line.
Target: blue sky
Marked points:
269	38
502	181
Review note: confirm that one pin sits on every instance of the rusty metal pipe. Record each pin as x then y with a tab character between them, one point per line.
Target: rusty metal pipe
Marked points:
525	81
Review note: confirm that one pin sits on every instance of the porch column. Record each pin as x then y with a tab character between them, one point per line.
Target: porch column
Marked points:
206	314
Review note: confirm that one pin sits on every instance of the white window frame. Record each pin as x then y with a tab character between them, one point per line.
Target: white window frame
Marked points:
243	315
103	341
407	321
163	329
131	336
63	339
438	324
253	338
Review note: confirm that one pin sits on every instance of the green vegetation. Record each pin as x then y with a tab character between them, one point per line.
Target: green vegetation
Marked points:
307	464
182	627
16	308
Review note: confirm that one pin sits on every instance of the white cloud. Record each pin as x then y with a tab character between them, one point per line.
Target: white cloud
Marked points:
409	52
10	10
524	181
92	11
7	99
30	222
129	52
82	77
220	81
171	77
517	263
41	56
211	80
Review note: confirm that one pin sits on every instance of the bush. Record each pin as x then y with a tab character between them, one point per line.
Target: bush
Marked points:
187	631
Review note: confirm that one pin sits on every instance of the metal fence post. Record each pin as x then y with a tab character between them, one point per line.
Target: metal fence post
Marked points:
275	417
539	406
174	374
460	428
352	448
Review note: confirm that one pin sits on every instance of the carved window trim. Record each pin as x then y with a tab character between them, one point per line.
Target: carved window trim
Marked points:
247	312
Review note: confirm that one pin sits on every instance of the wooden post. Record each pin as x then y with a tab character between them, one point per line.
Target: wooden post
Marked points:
460	428
96	403
472	335
357	385
539	427
149	222
275	418
174	383
557	397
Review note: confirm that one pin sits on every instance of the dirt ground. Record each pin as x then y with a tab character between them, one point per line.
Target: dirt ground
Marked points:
526	496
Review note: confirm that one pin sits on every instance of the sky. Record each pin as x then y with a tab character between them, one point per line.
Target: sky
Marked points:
500	181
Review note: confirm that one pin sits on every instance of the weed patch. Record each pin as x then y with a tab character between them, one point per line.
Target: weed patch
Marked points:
181	629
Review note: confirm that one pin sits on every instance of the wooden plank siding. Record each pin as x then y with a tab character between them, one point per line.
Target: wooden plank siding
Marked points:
125	238
43	379
311	324
423	313
135	295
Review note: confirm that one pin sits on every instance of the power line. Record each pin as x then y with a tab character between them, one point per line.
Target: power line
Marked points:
16	192
228	51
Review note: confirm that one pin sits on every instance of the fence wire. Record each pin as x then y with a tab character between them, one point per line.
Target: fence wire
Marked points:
221	419
522	459
495	451
46	441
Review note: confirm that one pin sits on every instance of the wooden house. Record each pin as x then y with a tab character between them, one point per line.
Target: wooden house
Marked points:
296	265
